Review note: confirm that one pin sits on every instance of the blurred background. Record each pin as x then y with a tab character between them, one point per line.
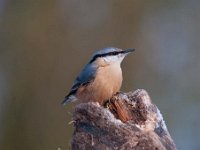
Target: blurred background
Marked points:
45	43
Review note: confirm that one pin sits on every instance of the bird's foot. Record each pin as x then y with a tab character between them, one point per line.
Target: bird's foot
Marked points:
107	103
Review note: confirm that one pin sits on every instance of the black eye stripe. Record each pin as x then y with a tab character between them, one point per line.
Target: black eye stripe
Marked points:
105	54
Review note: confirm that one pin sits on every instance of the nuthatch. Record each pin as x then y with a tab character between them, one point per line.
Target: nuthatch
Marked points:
101	78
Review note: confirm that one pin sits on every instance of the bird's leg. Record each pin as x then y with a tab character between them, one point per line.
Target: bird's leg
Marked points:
107	103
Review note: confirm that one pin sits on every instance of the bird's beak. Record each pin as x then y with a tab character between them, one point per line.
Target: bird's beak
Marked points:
127	51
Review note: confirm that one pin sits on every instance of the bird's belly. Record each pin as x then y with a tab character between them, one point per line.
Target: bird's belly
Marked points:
106	83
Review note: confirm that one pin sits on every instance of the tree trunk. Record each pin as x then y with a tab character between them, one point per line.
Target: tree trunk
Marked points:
129	121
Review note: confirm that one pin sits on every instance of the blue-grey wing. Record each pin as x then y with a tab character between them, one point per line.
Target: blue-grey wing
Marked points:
86	76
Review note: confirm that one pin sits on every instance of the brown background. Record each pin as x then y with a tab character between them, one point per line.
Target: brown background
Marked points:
45	43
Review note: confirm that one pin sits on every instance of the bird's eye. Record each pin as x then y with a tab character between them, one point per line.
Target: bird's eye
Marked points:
114	53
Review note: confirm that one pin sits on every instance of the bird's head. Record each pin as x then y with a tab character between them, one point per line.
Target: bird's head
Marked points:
109	55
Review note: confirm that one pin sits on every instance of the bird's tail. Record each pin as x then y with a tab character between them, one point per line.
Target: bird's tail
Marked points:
69	98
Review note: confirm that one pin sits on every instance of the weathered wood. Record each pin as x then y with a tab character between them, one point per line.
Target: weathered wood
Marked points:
130	121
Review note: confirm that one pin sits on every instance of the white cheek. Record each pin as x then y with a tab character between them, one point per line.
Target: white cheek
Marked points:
106	59
111	59
121	58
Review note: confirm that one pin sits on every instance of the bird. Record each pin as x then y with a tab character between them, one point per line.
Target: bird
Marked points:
100	79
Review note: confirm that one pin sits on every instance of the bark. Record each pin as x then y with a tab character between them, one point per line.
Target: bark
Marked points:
129	121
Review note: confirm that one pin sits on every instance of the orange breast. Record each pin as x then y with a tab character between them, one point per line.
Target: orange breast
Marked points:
107	82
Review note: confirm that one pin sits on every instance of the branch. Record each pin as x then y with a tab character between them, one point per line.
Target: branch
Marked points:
130	121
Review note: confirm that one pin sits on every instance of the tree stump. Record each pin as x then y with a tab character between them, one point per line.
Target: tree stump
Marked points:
128	122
